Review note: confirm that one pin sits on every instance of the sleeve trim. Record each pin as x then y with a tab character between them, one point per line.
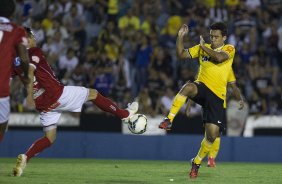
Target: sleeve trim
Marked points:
30	64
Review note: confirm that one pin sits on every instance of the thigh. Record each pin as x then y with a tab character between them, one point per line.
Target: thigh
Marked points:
73	98
49	119
5	109
200	97
214	110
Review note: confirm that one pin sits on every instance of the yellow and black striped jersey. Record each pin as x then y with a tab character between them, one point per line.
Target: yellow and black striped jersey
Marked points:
214	75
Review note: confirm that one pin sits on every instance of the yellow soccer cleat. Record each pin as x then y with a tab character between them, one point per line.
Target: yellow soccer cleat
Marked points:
20	165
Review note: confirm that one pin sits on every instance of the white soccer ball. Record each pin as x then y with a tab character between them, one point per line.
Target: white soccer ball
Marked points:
137	124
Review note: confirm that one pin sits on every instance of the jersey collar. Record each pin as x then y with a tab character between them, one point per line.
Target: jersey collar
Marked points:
219	48
4	20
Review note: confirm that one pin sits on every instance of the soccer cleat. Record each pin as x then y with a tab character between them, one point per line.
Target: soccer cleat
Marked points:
194	170
211	162
165	124
132	109
20	165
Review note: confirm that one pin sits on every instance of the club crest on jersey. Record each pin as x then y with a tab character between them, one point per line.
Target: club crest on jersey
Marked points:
17	61
206	58
35	59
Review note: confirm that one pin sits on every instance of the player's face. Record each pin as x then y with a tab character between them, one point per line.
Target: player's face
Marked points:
217	40
31	41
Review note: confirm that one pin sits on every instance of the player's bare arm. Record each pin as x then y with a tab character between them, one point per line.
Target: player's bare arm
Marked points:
237	94
216	56
29	88
23	54
180	51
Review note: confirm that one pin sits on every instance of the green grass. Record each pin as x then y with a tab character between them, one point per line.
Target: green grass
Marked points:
86	171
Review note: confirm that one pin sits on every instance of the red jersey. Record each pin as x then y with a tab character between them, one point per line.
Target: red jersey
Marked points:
46	87
11	35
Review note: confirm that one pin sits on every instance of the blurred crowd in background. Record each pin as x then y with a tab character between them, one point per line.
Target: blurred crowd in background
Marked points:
126	48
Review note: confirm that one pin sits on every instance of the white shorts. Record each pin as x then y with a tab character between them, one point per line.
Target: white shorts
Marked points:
4	109
71	100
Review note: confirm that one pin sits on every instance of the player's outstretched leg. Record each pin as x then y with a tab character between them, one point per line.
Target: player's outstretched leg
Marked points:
188	90
132	108
108	105
177	103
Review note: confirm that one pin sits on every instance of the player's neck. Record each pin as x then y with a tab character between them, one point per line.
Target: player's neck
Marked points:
217	47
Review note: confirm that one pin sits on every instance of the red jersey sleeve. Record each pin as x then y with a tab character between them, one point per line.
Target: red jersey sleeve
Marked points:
35	55
20	37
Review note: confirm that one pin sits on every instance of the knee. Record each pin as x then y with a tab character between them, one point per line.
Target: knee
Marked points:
189	89
3	128
92	94
51	139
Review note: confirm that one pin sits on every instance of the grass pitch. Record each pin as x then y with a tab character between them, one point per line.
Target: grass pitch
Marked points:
88	171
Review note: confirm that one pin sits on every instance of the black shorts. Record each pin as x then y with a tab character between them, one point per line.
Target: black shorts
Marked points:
212	105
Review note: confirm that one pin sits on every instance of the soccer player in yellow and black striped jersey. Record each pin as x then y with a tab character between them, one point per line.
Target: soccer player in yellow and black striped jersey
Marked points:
209	89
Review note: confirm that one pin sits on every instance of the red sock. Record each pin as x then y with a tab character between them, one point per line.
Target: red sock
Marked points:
38	146
107	105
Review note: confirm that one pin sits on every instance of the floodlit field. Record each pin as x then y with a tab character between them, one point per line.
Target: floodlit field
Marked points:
76	171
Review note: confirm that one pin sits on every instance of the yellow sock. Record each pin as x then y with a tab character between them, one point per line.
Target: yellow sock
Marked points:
178	101
204	150
215	148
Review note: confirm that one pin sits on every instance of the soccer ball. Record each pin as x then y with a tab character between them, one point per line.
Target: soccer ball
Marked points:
137	124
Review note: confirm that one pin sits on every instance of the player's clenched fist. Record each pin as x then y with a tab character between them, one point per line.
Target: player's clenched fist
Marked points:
183	30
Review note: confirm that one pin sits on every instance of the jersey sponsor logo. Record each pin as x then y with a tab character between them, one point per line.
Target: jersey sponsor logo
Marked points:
35	59
113	108
229	49
17	61
206	58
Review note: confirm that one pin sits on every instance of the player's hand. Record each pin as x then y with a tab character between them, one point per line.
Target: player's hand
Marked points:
241	104
202	41
183	30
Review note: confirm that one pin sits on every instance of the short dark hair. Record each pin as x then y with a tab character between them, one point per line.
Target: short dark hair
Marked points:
7	8
219	26
28	30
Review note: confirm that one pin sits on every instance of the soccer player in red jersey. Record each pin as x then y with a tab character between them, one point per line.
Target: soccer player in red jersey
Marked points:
51	98
13	42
